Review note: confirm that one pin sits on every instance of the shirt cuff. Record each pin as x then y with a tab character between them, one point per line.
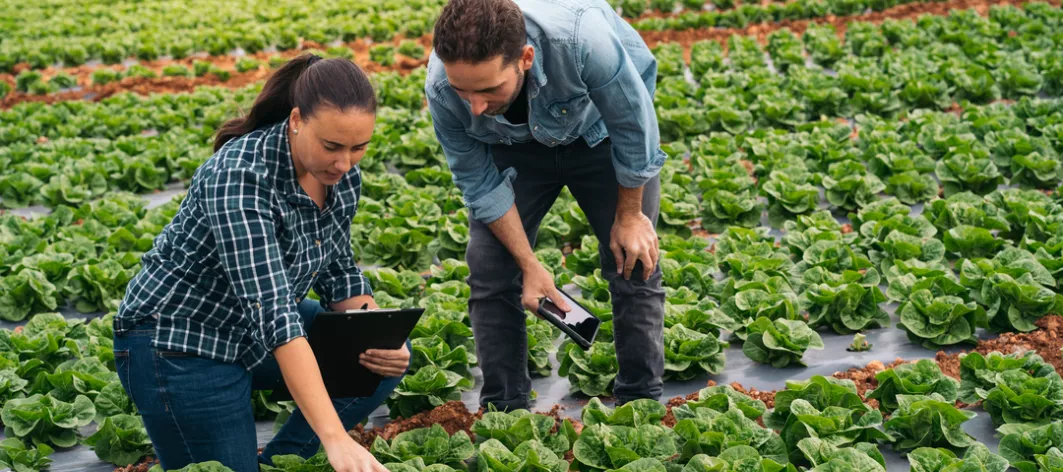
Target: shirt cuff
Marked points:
494	204
285	326
630	178
348	285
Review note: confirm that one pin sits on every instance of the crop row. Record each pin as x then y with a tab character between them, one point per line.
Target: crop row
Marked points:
113	33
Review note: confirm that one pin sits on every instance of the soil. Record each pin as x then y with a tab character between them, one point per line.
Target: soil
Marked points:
142	466
83	74
452	416
761	31
767	397
864	377
1046	341
360	48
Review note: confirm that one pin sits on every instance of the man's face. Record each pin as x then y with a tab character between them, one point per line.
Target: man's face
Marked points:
489	86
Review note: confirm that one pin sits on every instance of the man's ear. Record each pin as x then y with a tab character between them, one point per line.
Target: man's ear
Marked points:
527	56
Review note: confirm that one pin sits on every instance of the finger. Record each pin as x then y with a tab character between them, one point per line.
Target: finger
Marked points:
629	264
378	467
618	254
376	368
385	365
560	301
647	265
385	353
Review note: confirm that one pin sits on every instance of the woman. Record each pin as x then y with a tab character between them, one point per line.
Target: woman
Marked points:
219	308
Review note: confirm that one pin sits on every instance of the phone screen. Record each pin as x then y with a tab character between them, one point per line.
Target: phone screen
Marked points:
581	321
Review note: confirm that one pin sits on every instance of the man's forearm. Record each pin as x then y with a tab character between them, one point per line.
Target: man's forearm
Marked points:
629	202
510	231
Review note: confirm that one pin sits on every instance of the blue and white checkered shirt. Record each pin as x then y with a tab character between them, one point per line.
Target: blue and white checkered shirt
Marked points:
247	244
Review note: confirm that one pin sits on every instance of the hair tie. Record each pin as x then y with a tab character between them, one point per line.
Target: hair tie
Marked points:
313	59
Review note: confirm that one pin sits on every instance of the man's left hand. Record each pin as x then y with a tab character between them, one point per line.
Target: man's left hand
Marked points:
386	362
634	239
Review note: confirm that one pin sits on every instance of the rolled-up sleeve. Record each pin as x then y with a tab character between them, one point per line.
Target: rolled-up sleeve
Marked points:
237	206
623	97
488	193
342	279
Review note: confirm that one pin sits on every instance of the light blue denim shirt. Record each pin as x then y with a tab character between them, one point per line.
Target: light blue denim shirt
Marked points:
593	77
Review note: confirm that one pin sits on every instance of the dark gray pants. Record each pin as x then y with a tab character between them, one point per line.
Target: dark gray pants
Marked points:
495	278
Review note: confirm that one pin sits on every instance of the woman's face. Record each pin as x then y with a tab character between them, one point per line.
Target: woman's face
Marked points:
331	142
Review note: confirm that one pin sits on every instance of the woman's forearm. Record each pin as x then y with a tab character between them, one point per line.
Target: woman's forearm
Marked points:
303	378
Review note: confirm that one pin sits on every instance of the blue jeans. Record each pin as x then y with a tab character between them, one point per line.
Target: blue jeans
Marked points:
197	409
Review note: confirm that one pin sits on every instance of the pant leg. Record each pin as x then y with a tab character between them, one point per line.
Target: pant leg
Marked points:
296	436
498	321
194	409
638	305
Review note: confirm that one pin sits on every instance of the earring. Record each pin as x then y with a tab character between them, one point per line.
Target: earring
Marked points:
295	131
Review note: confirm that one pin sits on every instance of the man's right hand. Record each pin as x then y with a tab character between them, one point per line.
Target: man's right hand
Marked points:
538	283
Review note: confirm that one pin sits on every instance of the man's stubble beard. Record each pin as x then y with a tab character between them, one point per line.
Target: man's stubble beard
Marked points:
516	92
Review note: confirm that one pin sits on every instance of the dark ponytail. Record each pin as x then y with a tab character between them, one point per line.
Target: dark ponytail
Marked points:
305	82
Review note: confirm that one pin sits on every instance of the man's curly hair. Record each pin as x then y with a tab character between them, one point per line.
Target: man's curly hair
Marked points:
475	31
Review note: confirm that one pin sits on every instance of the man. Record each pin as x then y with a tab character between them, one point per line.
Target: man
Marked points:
527	98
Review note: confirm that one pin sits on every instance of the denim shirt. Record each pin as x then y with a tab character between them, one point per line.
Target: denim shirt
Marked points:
593	77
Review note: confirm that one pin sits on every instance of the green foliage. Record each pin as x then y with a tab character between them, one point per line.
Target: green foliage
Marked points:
977	457
433	445
428	388
780	342
121	440
923	377
16	456
589	372
928	421
519	426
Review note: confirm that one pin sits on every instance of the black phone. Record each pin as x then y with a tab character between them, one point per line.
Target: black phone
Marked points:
579	324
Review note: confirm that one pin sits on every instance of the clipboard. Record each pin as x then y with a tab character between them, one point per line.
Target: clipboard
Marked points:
339	337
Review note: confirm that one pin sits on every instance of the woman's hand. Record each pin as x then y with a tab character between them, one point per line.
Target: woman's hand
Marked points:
346	455
355	303
386	362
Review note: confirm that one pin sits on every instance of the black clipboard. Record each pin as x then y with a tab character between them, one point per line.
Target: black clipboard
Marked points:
338	338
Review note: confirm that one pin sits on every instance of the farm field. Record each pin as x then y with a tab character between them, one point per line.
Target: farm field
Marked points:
861	231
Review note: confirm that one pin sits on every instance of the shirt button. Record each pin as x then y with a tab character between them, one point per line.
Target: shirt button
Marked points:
317	242
298	300
314	274
536	128
564	111
258	305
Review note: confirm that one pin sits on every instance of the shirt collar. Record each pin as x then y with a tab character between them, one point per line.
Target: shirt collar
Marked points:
538	76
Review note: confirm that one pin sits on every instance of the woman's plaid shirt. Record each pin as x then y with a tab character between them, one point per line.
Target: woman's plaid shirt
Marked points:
247	244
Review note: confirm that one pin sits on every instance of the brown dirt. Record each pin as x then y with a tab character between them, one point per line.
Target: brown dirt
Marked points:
661	14
761	31
847	228
676	402
950	365
1046	341
143	466
767	397
864	377
360	48
83	74
452	416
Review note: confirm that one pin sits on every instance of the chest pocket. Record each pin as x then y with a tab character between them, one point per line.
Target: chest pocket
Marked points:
566	111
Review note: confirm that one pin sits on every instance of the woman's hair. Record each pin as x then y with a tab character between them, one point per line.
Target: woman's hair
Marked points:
306	82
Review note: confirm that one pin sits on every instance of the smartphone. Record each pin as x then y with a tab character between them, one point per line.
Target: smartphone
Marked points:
580	324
